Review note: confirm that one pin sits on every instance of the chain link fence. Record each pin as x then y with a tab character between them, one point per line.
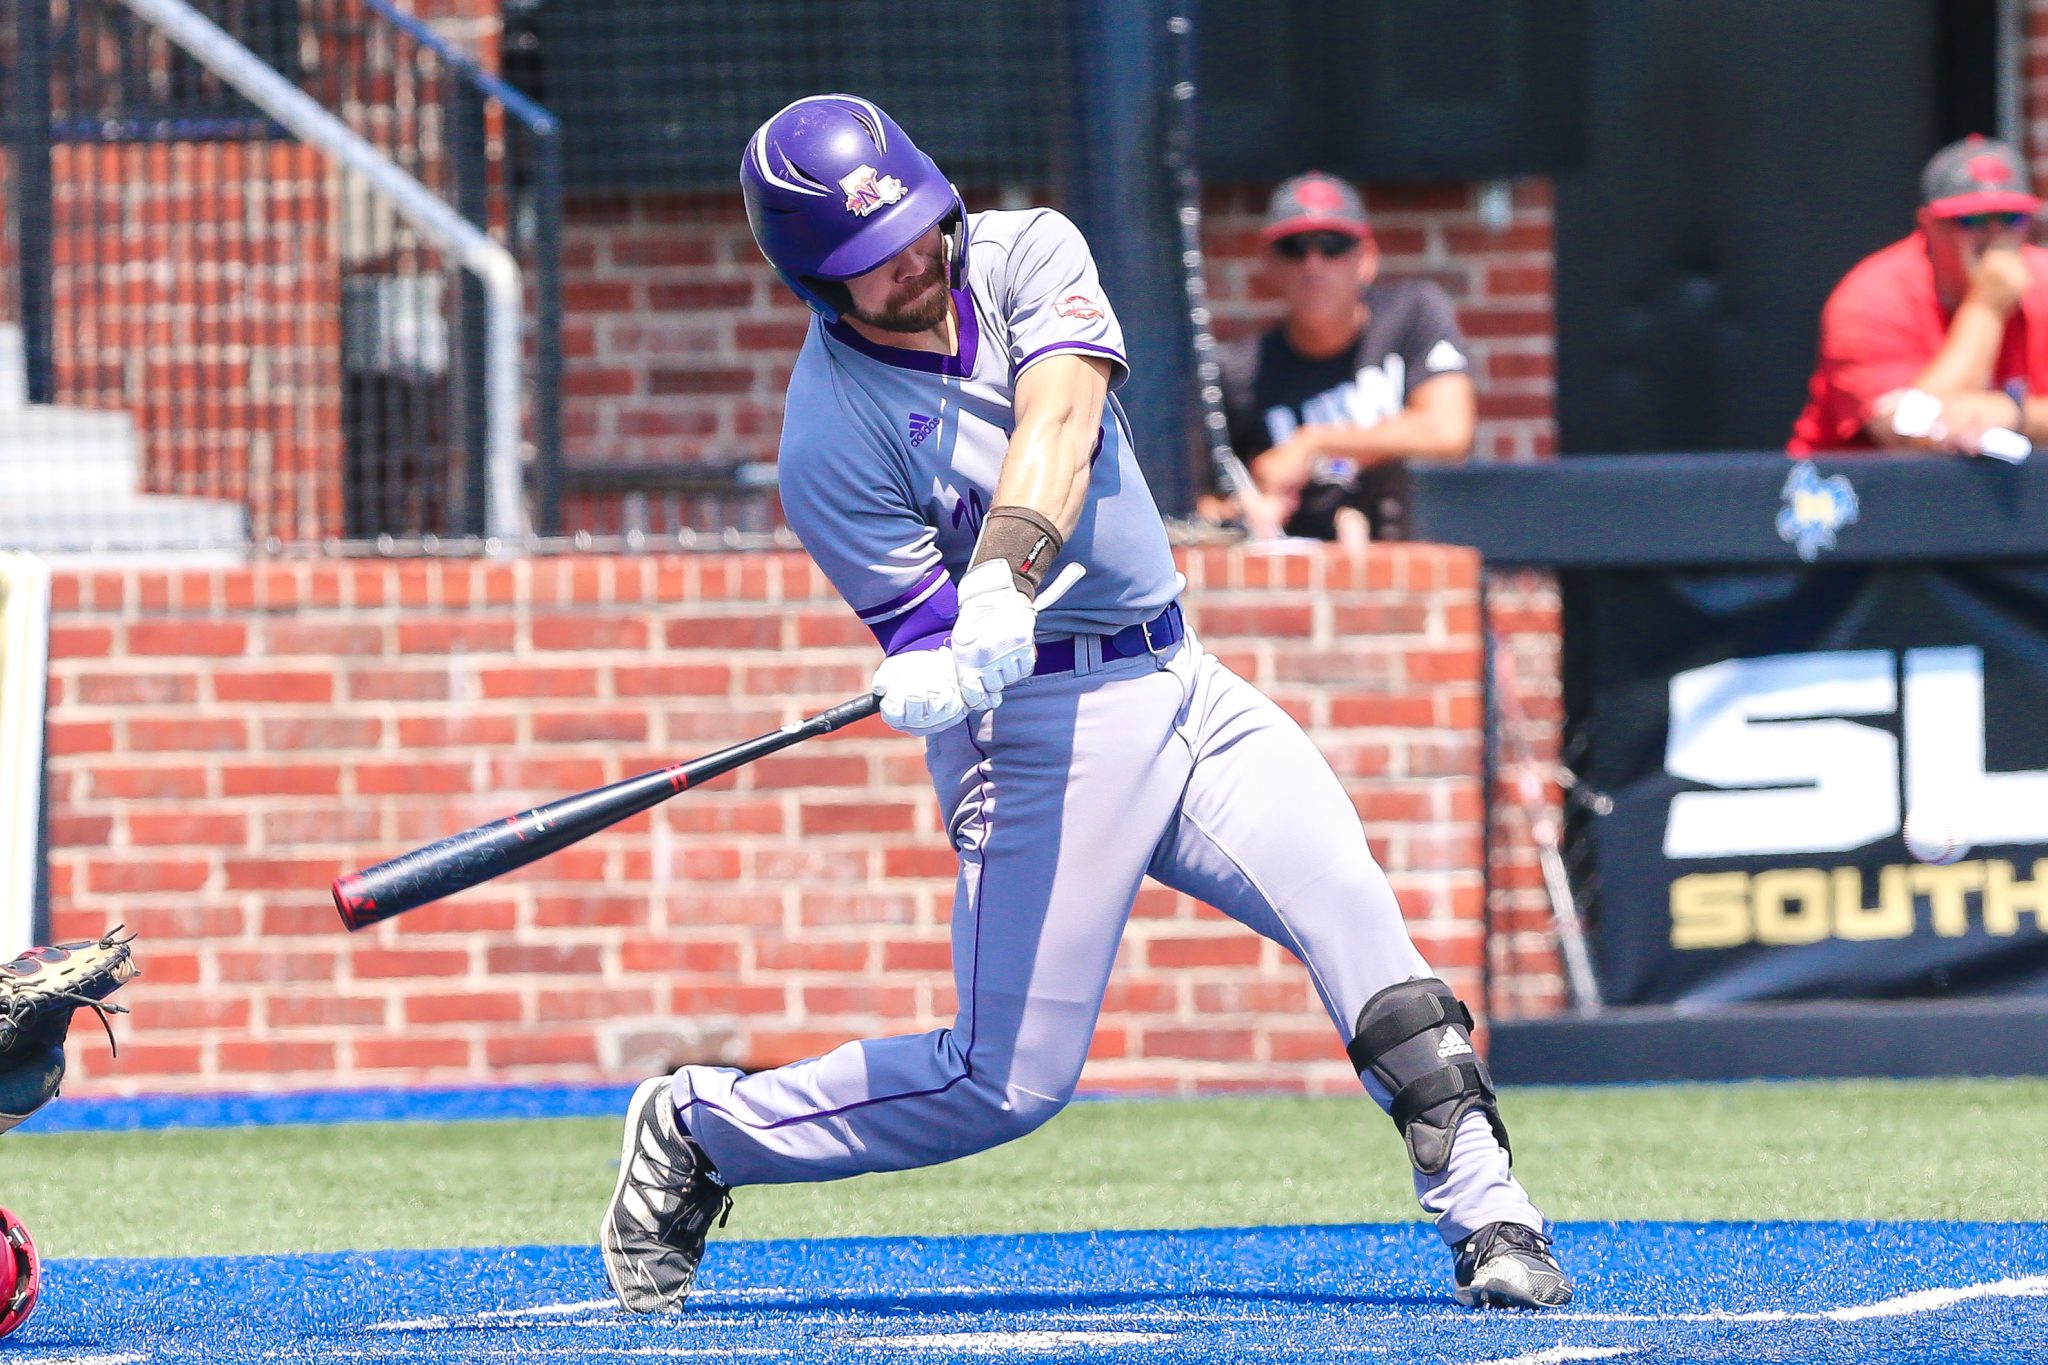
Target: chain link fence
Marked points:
219	338
679	339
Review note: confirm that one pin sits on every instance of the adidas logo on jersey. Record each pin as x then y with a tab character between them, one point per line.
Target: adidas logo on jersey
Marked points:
922	428
1452	1046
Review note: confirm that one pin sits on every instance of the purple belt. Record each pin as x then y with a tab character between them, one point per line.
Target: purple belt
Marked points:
1155	636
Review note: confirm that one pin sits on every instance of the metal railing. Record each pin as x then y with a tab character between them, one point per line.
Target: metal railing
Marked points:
282	273
524	202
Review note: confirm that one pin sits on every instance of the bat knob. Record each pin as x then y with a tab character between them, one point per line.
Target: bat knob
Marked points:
351	903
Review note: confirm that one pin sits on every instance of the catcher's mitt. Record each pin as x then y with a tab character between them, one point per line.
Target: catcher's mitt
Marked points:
38	993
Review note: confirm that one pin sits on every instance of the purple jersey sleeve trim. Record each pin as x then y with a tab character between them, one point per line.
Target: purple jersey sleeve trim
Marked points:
905	600
925	626
957	366
1123	366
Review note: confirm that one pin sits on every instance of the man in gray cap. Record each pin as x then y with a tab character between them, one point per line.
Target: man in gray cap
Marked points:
1940	340
1360	372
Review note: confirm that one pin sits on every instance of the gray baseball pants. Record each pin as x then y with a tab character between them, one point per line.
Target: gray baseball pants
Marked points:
1059	803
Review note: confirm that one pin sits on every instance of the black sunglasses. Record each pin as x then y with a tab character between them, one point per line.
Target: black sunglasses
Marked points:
1296	246
1978	222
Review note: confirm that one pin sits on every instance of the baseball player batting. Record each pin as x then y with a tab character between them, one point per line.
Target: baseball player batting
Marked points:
951	437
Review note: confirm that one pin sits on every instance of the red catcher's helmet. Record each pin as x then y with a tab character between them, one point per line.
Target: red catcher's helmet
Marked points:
21	1274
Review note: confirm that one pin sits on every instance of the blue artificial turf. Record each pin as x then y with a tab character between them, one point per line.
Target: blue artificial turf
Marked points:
426	1104
1648	1292
413	1104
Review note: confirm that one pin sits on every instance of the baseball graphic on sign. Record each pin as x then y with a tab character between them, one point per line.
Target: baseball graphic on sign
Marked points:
1936	833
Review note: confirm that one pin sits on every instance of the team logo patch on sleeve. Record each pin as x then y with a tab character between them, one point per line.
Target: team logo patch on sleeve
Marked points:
1078	306
1443	356
866	191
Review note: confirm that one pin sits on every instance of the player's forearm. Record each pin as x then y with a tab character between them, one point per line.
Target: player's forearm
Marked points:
1046	470
1968	352
1406	435
1051	454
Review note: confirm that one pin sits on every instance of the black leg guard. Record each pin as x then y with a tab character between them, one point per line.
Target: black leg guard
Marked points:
1416	1039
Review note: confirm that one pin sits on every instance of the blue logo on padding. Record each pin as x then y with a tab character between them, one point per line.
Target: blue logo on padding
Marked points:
1815	508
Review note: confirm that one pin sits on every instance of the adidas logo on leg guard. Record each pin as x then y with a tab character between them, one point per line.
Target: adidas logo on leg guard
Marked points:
1415	1038
662	1208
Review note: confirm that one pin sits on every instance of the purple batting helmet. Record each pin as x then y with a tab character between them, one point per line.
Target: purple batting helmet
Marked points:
834	188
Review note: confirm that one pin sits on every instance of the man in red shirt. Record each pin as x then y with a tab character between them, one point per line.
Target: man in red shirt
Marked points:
1958	310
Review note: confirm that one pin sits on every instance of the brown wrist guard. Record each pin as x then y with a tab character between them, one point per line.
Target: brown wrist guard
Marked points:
1024	540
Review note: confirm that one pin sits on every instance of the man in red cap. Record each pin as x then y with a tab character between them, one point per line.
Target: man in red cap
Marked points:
1359	372
1957	311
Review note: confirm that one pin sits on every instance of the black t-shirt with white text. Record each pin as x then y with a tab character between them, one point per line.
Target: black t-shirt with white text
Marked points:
1411	335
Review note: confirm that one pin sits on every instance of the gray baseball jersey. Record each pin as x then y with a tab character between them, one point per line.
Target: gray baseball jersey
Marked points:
890	456
1085	780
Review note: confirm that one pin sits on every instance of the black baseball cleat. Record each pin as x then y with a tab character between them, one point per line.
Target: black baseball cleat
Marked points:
667	1197
1505	1265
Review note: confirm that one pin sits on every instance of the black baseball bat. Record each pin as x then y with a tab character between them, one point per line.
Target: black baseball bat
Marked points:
475	856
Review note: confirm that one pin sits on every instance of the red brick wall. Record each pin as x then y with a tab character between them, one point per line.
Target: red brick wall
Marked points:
1523	614
2034	91
197	286
223	743
678	339
1499	277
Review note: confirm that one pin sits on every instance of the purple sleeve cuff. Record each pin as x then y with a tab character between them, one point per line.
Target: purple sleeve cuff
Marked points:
924	626
938	639
1119	372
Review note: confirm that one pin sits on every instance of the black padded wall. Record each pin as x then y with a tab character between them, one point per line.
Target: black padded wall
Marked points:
1744	154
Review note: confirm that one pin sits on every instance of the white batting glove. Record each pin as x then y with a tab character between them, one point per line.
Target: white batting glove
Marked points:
992	639
920	691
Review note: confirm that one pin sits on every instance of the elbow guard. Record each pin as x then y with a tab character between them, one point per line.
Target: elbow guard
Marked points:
1415	1038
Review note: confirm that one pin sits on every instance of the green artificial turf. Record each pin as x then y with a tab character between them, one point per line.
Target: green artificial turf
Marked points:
1885	1150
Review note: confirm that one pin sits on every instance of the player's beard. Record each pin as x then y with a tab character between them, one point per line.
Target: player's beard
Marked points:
918	306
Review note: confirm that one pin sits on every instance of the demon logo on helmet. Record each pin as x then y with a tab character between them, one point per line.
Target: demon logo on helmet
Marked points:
816	178
866	191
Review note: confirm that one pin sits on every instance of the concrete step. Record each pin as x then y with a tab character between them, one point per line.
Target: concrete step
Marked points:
13	369
133	525
69	482
66	452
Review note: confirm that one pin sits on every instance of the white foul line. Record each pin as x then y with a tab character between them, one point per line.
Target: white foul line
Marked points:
989	1343
544	1310
702	1297
529	1353
1928	1300
1904	1305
